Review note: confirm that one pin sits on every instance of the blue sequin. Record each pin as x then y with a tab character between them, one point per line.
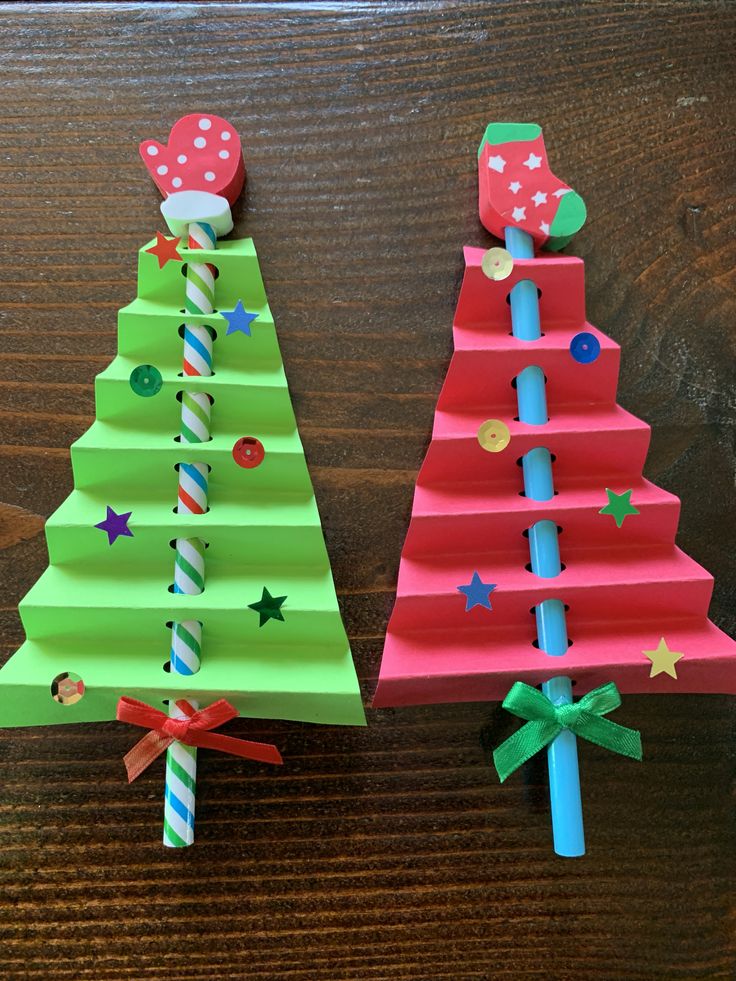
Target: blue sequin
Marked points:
585	347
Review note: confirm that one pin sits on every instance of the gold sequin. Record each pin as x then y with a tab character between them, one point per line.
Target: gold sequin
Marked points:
497	264
494	435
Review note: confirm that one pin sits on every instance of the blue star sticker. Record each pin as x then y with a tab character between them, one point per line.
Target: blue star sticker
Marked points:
238	319
477	593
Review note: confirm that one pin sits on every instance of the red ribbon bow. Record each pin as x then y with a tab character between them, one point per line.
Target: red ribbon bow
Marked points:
192	731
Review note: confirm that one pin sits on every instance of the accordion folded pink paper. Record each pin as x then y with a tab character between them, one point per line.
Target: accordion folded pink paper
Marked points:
626	587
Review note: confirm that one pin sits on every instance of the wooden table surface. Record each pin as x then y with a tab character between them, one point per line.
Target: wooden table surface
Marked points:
390	853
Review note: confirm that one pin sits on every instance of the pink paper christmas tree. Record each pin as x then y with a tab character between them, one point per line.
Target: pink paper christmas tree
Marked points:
463	626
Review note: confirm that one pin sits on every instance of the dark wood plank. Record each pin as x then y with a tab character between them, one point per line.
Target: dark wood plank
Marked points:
392	853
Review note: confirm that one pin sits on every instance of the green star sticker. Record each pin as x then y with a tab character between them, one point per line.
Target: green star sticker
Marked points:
268	607
619	505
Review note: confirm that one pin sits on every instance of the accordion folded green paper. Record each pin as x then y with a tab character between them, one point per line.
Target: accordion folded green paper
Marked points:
103	612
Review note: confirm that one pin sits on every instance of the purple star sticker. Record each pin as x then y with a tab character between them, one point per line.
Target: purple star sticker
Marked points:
238	319
477	593
115	525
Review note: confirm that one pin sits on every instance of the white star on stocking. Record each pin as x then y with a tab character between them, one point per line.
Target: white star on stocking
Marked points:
514	187
539	198
562	190
518	214
544	228
497	163
533	161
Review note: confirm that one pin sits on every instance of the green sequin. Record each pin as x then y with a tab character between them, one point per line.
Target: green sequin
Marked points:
146	380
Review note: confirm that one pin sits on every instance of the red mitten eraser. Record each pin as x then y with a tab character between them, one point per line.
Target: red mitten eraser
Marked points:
203	154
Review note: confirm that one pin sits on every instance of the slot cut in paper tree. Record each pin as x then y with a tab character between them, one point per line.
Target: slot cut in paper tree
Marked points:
537	554
188	565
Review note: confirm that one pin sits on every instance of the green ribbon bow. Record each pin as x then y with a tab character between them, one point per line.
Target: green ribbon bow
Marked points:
546	721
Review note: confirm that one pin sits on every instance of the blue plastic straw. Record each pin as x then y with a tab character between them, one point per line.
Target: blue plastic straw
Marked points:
531	395
562	755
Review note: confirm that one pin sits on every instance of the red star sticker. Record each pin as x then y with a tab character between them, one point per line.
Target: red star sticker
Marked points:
165	249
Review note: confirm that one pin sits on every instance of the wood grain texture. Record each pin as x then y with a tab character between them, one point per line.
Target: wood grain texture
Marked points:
387	854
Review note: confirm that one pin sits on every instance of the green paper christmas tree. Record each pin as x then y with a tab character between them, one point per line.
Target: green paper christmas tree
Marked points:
99	620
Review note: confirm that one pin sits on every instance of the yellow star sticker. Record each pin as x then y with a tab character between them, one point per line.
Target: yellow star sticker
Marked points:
663	659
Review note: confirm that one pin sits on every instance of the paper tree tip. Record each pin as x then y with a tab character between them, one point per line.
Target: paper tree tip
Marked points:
203	154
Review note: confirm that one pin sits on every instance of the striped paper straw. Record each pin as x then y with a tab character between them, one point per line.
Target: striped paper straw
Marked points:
197	350
186	646
181	787
189	566
199	298
195	417
186	635
192	488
